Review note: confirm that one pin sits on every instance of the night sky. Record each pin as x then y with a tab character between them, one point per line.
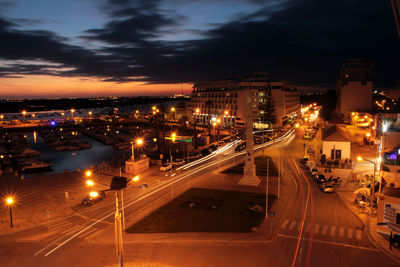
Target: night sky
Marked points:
119	47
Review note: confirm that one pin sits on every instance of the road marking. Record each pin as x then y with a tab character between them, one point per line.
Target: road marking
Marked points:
358	234
327	242
324	229
333	230
291	227
350	233
308	228
285	223
341	232
316	229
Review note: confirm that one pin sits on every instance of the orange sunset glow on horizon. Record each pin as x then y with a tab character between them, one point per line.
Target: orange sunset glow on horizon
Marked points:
42	86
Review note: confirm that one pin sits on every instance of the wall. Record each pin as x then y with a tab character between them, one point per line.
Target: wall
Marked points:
354	96
327	146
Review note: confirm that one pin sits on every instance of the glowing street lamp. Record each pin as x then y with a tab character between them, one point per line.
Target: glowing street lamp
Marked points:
72	112
139	142
136	178
94	194
173	113
226	112
197	110
1	117
154	107
88	173
90	183
23	114
9	202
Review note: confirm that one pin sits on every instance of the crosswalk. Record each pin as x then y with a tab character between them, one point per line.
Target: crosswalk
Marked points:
330	231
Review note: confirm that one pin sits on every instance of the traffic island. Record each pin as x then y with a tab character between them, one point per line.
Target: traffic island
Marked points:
261	167
206	210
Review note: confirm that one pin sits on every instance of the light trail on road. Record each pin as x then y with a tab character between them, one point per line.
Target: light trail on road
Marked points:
156	190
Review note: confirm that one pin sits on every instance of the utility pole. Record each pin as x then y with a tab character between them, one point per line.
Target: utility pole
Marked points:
118	233
266	191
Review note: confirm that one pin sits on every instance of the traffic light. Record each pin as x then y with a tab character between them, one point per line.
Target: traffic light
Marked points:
118	183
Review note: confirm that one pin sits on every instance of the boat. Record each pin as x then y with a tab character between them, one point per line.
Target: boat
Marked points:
36	165
28	152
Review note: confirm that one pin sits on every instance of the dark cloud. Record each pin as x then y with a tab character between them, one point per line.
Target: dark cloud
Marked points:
302	41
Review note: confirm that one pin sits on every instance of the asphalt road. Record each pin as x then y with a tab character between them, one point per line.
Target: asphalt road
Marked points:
312	228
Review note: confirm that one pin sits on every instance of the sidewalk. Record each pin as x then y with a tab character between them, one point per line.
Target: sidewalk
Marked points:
40	199
346	193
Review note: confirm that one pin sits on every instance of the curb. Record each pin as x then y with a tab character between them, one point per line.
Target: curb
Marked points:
369	234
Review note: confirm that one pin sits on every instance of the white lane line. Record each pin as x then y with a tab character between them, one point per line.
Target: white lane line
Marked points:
333	231
316	229
285	223
341	232
324	229
350	233
291	227
358	234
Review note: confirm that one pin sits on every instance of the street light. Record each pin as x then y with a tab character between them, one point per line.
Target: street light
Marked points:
373	182
88	173
173	113
72	113
9	202
139	142
23	114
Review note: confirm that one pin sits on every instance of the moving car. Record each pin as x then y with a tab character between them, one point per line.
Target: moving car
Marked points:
165	167
93	197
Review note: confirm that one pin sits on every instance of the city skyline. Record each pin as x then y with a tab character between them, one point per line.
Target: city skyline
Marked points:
127	48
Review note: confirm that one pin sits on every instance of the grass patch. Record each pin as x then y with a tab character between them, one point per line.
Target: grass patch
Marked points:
206	210
261	167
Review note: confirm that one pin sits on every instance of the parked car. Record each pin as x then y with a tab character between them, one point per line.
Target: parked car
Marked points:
326	188
396	240
165	167
93	197
320	178
313	171
310	164
303	160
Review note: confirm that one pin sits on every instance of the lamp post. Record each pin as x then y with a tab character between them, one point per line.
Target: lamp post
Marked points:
139	142
23	115
2	117
173	113
170	151
373	182
9	202
72	113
